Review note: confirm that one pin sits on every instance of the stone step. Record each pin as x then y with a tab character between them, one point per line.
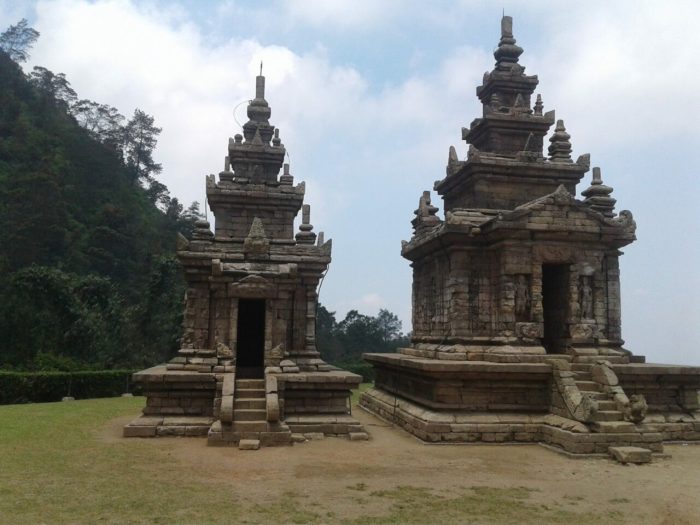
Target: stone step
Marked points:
598	396
249	414
580	367
583	376
250	383
587	386
591	359
250	393
249	402
607	415
613	427
605	404
249	426
249	444
626	455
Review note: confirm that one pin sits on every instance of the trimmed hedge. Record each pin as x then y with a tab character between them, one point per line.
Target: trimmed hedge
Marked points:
40	387
360	368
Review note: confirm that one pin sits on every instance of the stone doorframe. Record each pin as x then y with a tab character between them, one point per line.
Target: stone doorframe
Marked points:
253	287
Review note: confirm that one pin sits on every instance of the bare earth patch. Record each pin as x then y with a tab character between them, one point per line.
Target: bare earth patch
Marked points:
393	478
67	463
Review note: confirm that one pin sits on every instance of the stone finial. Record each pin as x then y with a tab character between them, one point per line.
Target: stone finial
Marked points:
202	231
286	179
453	162
256	244
321	239
425	214
507	53
258	113
276	141
597	196
182	242
305	235
538	105
227	174
260	85
560	147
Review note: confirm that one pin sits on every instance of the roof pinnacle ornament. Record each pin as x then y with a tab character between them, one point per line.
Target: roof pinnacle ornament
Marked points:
598	196
306	235
560	147
507	53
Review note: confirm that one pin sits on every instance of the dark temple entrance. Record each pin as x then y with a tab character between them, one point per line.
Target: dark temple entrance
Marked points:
555	305
250	353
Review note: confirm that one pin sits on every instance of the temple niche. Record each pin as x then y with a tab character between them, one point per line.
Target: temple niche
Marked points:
516	296
248	372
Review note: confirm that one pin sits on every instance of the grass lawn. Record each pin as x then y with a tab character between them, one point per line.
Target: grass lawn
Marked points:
65	463
55	469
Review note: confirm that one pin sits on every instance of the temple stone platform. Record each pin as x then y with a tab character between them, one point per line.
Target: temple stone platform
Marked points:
580	408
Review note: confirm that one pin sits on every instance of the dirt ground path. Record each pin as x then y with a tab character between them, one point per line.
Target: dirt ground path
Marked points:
394	478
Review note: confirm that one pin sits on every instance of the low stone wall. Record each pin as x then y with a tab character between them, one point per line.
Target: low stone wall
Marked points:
452	427
667	389
176	393
462	385
316	392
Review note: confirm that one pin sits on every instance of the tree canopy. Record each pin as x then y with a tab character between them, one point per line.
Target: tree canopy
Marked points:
88	272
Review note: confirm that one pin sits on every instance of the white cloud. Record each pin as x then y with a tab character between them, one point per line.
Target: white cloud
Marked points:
342	14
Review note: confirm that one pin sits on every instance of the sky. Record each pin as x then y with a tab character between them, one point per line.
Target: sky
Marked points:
369	95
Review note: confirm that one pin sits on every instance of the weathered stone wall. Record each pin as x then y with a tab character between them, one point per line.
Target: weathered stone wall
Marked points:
468	391
236	222
496	293
452	296
501	193
169	393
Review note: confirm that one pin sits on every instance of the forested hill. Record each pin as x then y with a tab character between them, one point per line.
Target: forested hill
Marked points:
88	273
87	234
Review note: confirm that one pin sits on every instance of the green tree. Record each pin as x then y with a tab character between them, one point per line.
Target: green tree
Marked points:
103	122
53	86
140	137
17	40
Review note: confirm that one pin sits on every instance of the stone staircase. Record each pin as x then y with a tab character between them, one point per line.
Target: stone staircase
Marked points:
598	410
607	407
249	427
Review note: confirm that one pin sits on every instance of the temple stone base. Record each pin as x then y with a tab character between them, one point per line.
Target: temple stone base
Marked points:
227	410
580	404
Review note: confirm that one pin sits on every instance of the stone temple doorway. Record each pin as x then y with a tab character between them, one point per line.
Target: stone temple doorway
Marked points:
250	347
555	306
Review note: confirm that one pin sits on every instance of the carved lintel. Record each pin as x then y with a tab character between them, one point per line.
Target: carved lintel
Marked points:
253	286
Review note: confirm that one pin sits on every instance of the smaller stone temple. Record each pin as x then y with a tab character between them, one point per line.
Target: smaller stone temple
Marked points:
516	297
248	370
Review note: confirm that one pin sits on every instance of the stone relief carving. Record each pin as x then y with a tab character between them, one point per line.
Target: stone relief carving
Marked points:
637	409
585	293
582	331
523	299
529	330
555	254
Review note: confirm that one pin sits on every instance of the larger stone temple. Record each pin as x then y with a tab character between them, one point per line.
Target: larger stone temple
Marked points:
516	297
248	371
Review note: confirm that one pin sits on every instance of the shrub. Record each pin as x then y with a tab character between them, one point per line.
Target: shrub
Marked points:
358	367
38	387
